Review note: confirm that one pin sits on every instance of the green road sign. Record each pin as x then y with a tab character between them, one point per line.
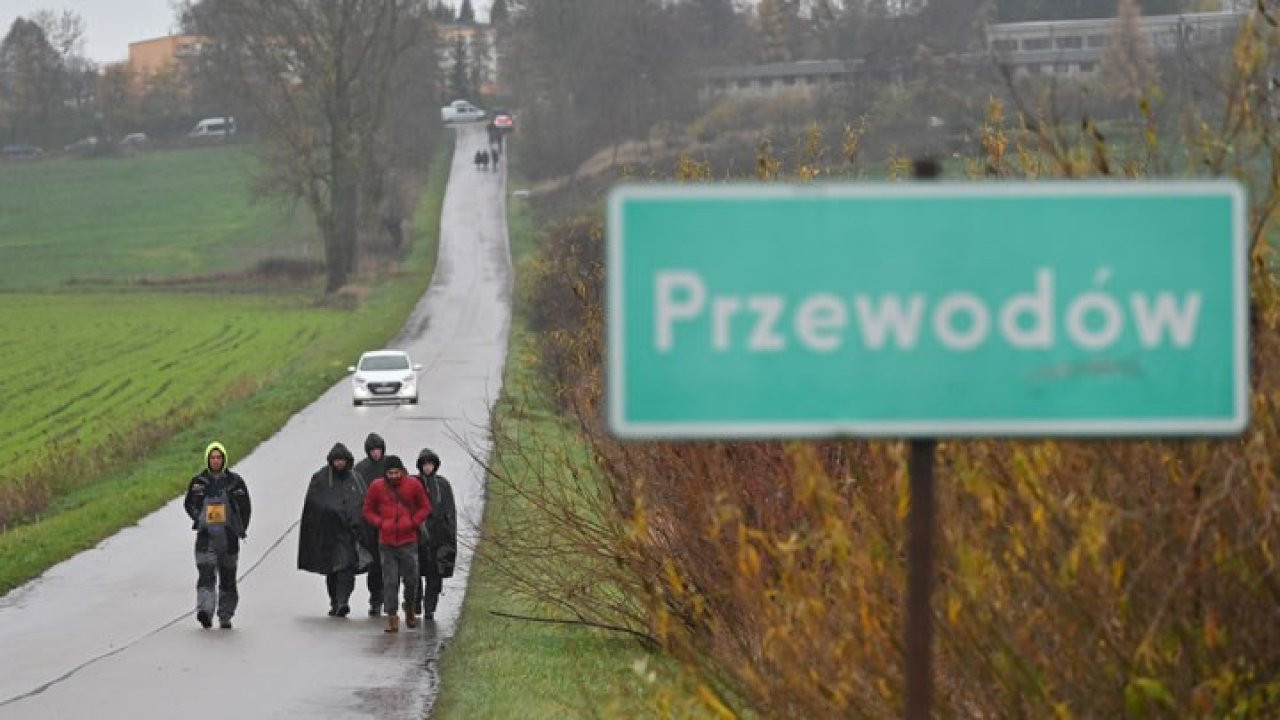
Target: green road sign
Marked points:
929	309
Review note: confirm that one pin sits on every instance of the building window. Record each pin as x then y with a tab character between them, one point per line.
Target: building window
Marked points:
1005	45
1071	42
1097	41
1036	44
1087	66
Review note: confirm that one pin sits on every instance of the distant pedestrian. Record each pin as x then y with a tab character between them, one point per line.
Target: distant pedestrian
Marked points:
372	467
439	550
217	502
482	159
397	506
495	153
329	536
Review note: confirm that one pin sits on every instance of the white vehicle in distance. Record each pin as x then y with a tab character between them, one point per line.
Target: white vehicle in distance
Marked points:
384	375
460	111
214	127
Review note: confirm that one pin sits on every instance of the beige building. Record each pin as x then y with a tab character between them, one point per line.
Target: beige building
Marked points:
149	57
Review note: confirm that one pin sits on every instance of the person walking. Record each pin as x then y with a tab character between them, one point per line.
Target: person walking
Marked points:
397	506
329	536
217	502
372	467
439	551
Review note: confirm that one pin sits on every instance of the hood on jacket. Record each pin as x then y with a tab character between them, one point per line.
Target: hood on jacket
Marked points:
340	451
226	460
375	441
428	455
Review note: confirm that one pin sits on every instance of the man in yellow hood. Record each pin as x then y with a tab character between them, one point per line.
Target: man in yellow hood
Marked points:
217	502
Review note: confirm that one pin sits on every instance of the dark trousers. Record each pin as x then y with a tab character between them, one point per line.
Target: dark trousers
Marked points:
374	582
213	568
432	584
399	565
340	584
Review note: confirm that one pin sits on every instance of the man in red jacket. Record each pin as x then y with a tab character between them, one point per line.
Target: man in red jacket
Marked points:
397	508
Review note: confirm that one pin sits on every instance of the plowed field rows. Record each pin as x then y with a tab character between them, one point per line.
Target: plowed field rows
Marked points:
82	371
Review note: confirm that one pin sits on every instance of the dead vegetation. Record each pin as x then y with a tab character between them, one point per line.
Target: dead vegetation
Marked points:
1100	579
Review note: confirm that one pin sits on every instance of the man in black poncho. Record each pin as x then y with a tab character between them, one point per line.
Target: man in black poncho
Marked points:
439	551
329	539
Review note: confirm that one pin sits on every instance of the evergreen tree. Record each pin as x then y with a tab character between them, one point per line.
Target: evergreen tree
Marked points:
498	13
442	13
31	82
479	59
466	13
459	73
775	29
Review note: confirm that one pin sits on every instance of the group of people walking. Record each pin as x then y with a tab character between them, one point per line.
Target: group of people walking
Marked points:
484	157
371	518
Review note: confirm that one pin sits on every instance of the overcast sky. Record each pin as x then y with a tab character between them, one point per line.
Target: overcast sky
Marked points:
112	24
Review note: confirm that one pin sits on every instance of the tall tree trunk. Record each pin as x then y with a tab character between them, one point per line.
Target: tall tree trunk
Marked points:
344	206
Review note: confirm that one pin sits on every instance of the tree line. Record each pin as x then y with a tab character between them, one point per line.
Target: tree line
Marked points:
341	97
587	74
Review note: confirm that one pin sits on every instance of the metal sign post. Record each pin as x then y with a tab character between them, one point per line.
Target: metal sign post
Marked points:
922	524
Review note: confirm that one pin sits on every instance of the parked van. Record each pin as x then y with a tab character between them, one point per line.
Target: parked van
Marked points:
214	127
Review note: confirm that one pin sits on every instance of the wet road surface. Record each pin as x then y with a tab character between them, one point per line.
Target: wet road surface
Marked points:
111	632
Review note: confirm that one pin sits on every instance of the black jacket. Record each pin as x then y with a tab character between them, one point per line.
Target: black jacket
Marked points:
437	555
332	523
369	470
240	509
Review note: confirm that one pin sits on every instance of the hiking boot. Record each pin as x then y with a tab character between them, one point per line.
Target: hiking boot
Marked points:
333	611
343	611
410	618
393	623
224	623
205	620
375	609
429	616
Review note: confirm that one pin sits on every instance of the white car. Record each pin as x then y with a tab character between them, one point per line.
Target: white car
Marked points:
384	375
460	111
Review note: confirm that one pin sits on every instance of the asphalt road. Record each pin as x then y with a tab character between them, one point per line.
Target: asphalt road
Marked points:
111	632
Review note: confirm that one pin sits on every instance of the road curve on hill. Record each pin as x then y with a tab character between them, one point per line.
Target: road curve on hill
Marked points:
111	632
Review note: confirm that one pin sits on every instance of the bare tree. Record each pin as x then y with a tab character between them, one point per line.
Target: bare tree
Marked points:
319	76
65	32
589	73
1128	68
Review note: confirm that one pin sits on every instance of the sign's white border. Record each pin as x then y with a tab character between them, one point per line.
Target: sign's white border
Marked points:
615	251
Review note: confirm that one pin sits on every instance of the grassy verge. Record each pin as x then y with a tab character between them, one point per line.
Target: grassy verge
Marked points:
171	212
84	516
499	667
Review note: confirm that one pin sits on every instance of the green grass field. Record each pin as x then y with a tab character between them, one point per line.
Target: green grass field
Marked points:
157	214
128	387
82	373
